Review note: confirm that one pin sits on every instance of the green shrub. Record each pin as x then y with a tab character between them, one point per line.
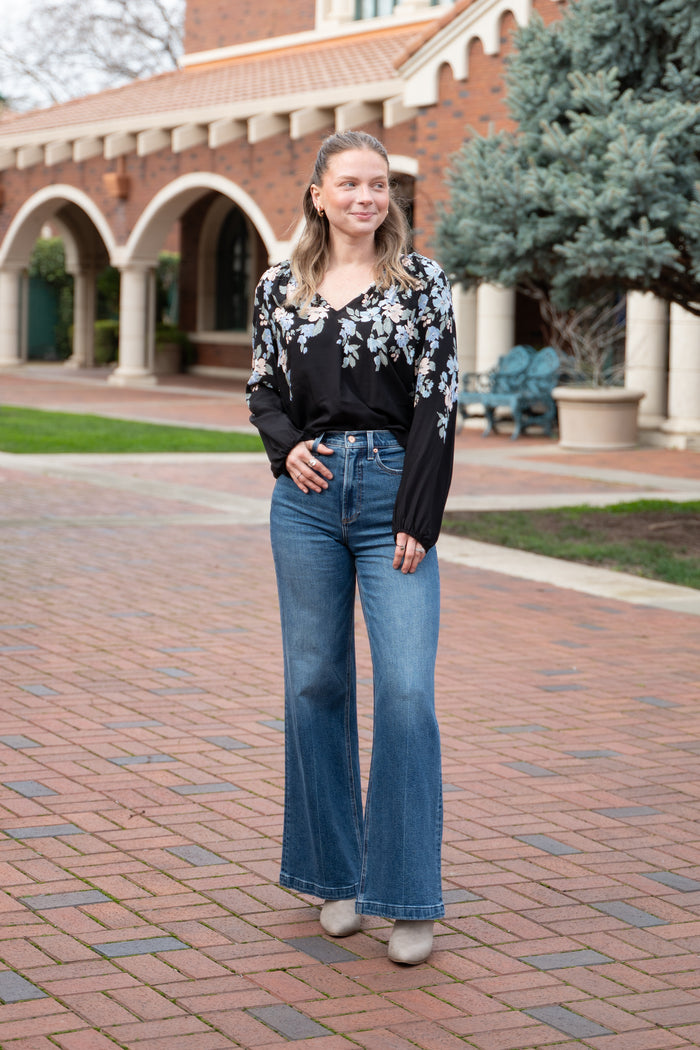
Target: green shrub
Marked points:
170	333
106	342
108	293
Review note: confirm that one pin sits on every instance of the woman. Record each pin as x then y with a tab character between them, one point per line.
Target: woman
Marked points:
354	390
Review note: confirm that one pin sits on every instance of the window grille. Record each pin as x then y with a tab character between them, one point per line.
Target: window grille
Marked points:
376	8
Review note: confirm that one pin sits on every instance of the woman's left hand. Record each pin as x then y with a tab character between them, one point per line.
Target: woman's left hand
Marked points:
408	553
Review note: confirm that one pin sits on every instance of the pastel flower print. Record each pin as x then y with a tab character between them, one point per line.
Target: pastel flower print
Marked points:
442	300
260	366
403	330
404	334
392	310
432	337
284	318
347	328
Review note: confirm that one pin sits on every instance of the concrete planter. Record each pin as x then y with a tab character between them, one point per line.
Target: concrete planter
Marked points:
597	418
168	359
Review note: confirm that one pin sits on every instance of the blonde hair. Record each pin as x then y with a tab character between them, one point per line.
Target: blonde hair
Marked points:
310	257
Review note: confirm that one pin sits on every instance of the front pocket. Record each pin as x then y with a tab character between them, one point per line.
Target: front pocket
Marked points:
390	459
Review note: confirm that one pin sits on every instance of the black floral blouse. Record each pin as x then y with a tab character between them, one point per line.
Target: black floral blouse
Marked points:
385	361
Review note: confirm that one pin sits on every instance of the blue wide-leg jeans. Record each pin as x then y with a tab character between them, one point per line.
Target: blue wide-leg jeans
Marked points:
388	857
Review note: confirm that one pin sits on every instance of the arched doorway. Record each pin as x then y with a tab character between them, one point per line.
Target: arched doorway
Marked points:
223	257
89	245
226	243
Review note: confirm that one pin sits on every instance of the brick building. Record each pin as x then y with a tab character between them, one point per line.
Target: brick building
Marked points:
217	154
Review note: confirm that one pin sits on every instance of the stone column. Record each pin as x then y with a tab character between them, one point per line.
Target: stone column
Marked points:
684	374
136	328
11	317
84	303
646	355
24	317
495	324
464	301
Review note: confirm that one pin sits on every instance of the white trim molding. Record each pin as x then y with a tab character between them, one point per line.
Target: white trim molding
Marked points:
481	21
399	164
179	130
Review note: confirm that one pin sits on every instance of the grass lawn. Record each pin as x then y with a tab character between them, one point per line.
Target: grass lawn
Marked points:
654	538
26	430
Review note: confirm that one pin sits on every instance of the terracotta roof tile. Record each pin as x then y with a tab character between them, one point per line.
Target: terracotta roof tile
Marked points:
339	63
6	115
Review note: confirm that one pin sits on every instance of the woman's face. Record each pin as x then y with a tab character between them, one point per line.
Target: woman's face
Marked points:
354	192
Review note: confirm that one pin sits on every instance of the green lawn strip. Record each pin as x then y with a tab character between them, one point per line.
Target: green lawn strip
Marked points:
605	536
31	430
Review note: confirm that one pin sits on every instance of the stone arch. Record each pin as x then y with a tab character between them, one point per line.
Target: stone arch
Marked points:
73	208
209	286
216	215
138	258
400	164
90	245
169	204
404	170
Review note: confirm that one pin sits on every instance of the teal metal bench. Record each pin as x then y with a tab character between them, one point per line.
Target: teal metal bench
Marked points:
522	383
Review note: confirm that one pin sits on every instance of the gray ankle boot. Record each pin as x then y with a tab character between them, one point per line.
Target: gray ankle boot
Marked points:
411	941
339	918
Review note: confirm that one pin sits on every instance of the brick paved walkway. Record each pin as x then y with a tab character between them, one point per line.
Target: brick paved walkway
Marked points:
141	777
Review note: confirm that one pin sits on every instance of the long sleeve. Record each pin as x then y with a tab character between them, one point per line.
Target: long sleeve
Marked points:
263	396
430	445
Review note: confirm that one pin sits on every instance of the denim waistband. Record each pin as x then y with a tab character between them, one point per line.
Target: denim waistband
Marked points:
356	439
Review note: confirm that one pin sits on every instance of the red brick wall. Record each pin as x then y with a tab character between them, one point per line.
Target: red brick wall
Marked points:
214	355
465	107
220	23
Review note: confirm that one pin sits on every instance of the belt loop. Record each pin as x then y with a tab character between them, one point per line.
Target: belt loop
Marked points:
317	442
370	444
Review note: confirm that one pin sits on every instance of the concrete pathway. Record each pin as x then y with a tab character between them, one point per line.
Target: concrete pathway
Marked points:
141	769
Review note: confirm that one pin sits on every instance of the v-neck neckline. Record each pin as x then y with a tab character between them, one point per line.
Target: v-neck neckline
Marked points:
339	309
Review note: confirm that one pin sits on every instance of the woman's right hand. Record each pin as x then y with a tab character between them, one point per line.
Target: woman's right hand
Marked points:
306	471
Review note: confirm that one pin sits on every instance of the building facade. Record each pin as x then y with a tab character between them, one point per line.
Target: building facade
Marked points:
217	154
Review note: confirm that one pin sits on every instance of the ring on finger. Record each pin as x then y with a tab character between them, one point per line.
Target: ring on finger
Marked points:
420	550
313	461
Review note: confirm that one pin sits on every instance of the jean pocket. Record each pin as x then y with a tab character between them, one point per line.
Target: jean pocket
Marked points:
390	459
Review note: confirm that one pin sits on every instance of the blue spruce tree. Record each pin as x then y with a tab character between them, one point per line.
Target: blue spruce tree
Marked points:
598	186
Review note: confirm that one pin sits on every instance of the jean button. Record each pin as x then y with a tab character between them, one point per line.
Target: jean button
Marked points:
351	439
375	451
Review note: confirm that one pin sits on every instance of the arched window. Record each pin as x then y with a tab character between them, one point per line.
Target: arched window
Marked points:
232	273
